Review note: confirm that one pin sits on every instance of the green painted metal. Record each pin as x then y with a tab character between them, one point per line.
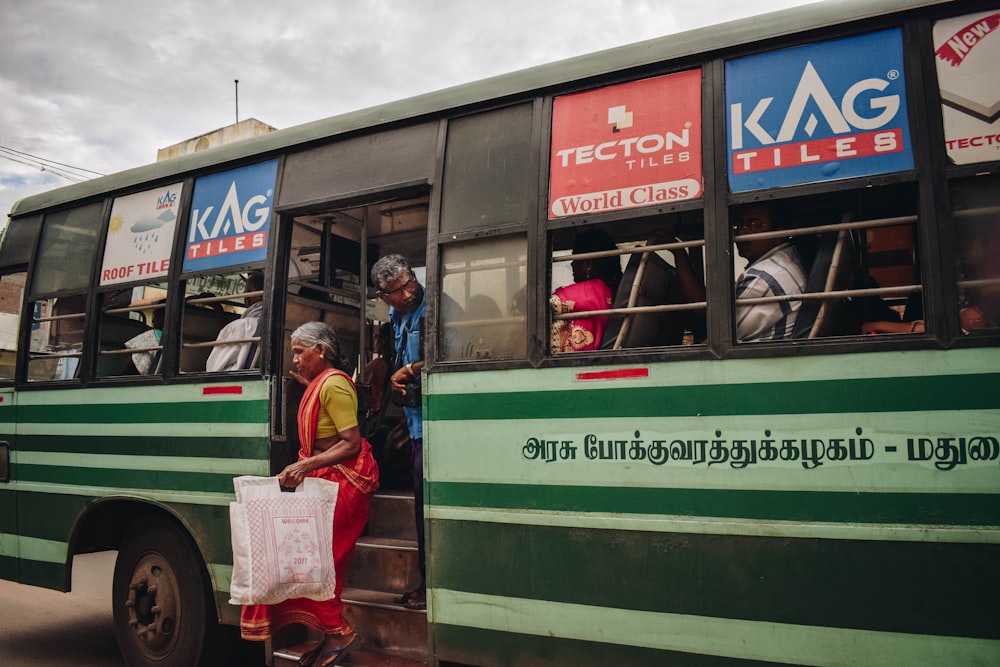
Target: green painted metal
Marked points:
570	517
175	447
977	509
866	585
842	396
681	639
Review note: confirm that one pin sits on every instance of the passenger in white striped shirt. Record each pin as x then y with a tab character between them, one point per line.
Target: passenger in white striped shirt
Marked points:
774	269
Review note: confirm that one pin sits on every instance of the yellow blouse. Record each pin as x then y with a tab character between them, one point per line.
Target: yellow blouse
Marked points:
339	404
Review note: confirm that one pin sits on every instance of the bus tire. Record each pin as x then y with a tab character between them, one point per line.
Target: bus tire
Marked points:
162	601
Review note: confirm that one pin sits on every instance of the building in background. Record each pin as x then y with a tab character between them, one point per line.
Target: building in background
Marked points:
245	129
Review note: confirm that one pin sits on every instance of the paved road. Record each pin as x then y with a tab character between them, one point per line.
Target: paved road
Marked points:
43	628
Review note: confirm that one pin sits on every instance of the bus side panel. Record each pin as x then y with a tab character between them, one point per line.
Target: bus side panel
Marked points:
817	511
718	595
92	462
8	497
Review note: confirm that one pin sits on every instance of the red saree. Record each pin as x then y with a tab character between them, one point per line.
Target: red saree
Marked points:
585	333
358	478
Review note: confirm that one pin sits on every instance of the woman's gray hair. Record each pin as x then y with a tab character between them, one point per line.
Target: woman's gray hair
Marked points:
318	333
387	269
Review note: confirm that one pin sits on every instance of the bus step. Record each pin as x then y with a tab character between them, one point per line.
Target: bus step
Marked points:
363	656
385	626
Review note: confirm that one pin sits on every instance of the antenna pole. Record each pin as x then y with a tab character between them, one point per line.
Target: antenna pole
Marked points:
237	82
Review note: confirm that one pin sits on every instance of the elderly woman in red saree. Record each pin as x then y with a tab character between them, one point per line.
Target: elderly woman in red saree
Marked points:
596	283
331	447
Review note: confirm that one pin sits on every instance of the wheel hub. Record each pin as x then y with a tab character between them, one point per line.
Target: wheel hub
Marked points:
152	605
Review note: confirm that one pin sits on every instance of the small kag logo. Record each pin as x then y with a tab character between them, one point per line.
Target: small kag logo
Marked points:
619	118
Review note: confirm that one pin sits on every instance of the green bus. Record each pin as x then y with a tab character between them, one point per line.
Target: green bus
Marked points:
763	434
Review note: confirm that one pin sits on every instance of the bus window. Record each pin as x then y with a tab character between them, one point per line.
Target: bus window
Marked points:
57	338
131	330
648	274
11	298
836	264
483	308
66	251
325	280
60	275
487	170
976	215
211	303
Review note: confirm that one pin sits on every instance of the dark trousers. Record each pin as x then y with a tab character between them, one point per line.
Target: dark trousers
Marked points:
418	503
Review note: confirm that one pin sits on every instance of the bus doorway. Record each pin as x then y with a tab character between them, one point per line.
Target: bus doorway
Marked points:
330	255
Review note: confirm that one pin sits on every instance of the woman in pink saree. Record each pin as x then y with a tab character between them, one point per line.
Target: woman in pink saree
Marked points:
596	283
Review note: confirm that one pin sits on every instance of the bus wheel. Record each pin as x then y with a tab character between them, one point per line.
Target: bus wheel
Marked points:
162	602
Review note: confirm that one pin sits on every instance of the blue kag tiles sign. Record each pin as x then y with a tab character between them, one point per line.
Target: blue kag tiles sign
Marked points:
818	112
230	217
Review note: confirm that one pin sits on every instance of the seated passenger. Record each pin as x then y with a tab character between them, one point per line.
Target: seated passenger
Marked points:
147	360
236	356
774	268
979	244
596	283
911	322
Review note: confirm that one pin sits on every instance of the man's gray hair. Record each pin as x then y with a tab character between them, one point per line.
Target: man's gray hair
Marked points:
389	268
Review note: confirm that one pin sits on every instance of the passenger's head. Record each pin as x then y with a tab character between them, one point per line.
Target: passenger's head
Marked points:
254	283
608	269
159	313
396	283
756	219
315	347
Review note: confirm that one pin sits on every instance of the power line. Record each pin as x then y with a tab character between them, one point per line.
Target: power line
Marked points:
74	179
69	172
40	159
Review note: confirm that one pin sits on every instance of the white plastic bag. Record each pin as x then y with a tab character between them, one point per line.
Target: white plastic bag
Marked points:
282	542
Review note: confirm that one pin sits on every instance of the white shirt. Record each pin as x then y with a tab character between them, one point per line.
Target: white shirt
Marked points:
234	356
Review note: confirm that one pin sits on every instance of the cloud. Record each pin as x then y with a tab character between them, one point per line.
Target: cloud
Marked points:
105	94
145	225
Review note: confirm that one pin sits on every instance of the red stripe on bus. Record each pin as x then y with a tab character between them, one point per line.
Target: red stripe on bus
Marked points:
222	390
614	375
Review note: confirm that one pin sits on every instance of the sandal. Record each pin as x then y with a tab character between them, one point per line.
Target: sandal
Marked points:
334	656
415	599
316	657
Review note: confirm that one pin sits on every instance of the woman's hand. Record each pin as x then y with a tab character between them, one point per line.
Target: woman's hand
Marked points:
294	474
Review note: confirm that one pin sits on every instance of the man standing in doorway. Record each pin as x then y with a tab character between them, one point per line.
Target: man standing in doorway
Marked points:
399	288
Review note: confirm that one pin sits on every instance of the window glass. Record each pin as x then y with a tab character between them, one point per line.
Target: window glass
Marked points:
487	170
11	298
66	253
483	308
132	323
19	238
221	322
648	272
837	264
57	327
976	216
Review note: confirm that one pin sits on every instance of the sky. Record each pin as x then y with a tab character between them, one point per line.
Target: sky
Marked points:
101	85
